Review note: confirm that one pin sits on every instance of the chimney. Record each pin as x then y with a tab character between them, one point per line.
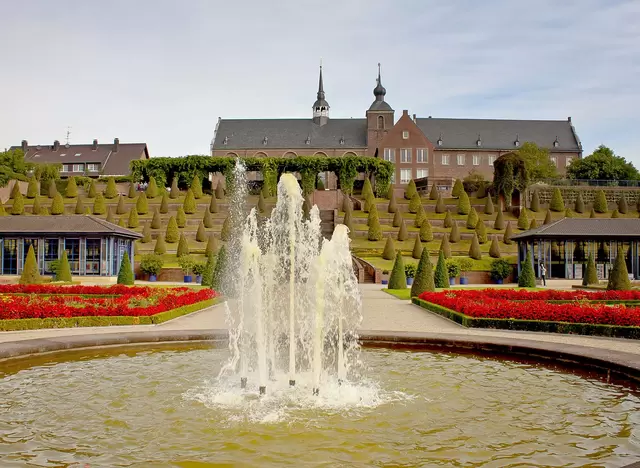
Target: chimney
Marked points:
56	145
94	146
414	118
116	144
405	112
569	118
24	145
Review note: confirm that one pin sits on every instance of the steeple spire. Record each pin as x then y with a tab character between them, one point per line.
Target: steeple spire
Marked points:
379	90
321	106
320	85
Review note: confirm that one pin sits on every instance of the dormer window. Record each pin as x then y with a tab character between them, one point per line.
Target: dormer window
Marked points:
440	140
517	142
479	141
265	141
225	141
342	140
556	143
405	134
308	140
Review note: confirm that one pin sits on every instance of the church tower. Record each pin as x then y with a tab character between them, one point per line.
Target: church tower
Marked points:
321	106
379	118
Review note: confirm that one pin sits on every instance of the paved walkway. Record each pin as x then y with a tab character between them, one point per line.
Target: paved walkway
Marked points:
381	312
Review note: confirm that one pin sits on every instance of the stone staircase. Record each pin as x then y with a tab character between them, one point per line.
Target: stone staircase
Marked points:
327	223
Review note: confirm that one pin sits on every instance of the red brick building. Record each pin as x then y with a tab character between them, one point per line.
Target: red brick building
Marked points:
439	148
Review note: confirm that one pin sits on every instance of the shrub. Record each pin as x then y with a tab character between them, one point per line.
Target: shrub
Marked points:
156	221
219	191
414	203
213	205
196	186
18	205
410	191
111	191
121	208
183	246
454	236
92	192
424	276
508	234
591	273
410	270
568	213
57	207
448	220
420	216
392	207
172	233
110	216
99	206
440	277
375	231
367	190
457	190
164	203
488	206
535	202
212	245
579	205
146	234
160	247
453	268
500	269
397	219
87	210
30	273
615	214
174	192
592	213
2	210
79	206
219	270
398	278
151	264
15	190
71	190
474	250
52	189
32	188
373	213
402	232
445	247
523	220
320	185
36	208
481	231
440	206
125	274
207	220
557	203
346	203
189	204
133	221
225	234
181	218
619	275
622	205
142	205
533	224
389	252
463	203
547	218
527	278
132	191
201	233
347	221
207	274
482	190
499	222
122	222
494	248
417	248
600	202
186	263
63	270
433	194
426	232
472	218
466	264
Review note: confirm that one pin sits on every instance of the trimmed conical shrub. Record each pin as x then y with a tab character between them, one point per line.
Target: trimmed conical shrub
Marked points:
488	206
146	234
3	212
347	221
36	208
156	221
152	188
125	275
424	276
110	216
481	232
622	205
207	220
111	190
590	276
63	272
367	190
448	220
414	203
441	277
393	206
175	191
592	213
527	278
32	188
445	247
375	231
220	191
212	245
600	202
87	210
15	190
18	205
213	205
373	213
389	252
189	204
142	205
615	214
57	206
472	218
499	222
183	246
219	270
417	248
72	189
92	192
397	219
390	192
433	194
494	248
535	202
457	190
122	222
346	204
164	203
225	234
53	189
547	217
440	206
30	273
426	231
121	208
411	190
133	221
209	268
463	203
533	224
568	213
398	278
523	220
201	233
99	206
196	186
44	211
557	203
482	191
132	191
420	216
619	275
402	232
160	247
474	250
454	236
579	205
79	206
172	234
181	217
508	234
261	205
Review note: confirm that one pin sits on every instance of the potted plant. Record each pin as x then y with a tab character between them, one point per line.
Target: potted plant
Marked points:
500	269
466	264
410	273
385	277
151	264
187	263
453	269
198	270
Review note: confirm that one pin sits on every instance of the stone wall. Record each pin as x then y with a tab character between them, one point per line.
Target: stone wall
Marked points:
569	194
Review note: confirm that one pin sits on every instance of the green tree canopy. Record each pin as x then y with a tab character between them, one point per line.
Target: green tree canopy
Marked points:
602	164
537	161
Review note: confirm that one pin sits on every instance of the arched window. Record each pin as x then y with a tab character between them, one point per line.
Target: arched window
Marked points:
320	154
349	153
231	155
260	154
290	154
380	122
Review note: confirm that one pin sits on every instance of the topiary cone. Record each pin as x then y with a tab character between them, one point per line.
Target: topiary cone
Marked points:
474	250
472	218
133	221
152	188
494	248
125	274
424	280
30	274
201	233
411	190
53	189
132	191
417	248
32	188
57	206
535	202
160	247
426	232
175	191
420	216
397	219
63	272
527	278
18	205
146	234
196	186
433	194
389	252
79	206
591	273
402	232
445	247
398	278
523	220
455	233
142	205
99	206
212	245
448	220
181	217
506	238
481	231
172	234
557	203
441	277
189	204
579	205
183	246
121	208
440	206
499	222
488	206
464	205
72	189
622	205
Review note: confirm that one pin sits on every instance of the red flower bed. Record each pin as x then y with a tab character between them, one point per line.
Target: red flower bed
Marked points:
535	305
45	301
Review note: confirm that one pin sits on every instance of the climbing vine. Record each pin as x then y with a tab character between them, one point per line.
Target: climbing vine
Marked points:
509	174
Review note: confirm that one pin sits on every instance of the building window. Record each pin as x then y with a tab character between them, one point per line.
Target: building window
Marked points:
422	155
390	154
93	167
78	168
380	122
405	155
461	160
50	253
72	246
492	159
445	159
420	173
92	264
405	134
554	161
405	176
567	161
10	257
25	250
476	159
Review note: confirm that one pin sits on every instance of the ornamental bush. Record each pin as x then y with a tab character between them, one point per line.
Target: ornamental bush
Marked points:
156	221
213	205
523	220
494	248
172	234
220	191
53	189
375	231
92	192
99	206
411	190
207	220
499	222
448	220
122	222
615	214
488	206
417	248
110	216
181	217
189	204
32	188
87	210
433	194
481	232
212	245
18	204
600	202
453	268
472	218
527	278
71	190
548	218
398	278
393	206
414	203
474	250
125	274
533	224
15	190
579	205
160	247
183	246
535	202
445	247
441	277
619	275
146	234
36	208
151	264
454	236
557	203
217	279
426	232
201	233
420	216
397	219
142	205
347	221
457	190
592	213
133	221
622	205
121	208
57	206
209	268
568	213
30	273
346	204
402	232
463	203
63	271
79	206
175	191
500	269
590	276
111	191
508	234
373	213
440	206
225	234
424	276
389	252
367	190
196	186
132	191
2	210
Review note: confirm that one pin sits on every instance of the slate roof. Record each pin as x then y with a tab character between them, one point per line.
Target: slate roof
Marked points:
585	228
499	134
290	133
62	225
111	163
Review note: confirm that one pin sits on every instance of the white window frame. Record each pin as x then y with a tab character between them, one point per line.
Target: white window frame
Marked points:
477	159
405	155
491	158
79	167
567	161
390	154
422	172
404	180
554	160
93	167
445	159
405	134
461	159
422	155
65	168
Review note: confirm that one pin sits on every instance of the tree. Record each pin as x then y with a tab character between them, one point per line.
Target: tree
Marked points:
441	277
175	191
152	188
481	232
146	234
121	208
122	222
591	273
398	278
420	216
79	206
457	189
219	270
209	268
63	272
30	273
133	221
36	209
600	204
602	164
523	220
212	245
189	204
389	252
201	234
472	218
488	206
213	205
12	163
32	188
410	191
426	232
57	206
445	247
132	191
417	248
499	222
53	188
510	173
433	194
207	220
424	276
448	220
110	216
619	275
397	219
538	162
557	203
463	203
99	206
196	186
373	213
547	218
183	246
160	247
622	205
527	278
172	234
535	202
579	204
142	205
225	233
508	234
402	232
181	217
454	236
18	205
156	221
494	248
440	206
111	191
125	274
474	250
346	203
219	191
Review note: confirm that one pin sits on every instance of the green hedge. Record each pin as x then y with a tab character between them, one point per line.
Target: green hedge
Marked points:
73	322
531	325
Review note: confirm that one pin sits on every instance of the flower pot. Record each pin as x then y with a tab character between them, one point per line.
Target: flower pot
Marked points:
409	281
452	281
385	281
499	281
464	280
153	277
187	278
198	279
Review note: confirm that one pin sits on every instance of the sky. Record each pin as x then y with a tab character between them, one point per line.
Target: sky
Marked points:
163	71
